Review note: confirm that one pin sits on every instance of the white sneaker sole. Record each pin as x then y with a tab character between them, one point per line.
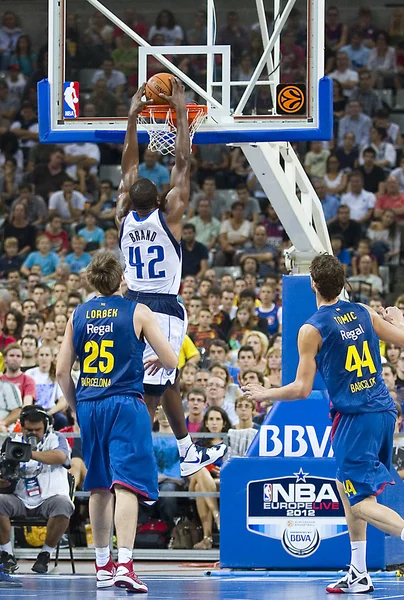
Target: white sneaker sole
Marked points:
189	469
131	586
105	583
354	589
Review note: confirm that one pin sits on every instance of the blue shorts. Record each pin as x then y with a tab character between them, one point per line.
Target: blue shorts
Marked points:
117	445
363	448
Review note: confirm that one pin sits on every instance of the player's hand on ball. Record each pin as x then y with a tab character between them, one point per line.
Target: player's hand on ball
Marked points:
393	315
177	98
254	391
152	365
137	104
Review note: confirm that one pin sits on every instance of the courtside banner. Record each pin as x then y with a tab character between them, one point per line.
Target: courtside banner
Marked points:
71	97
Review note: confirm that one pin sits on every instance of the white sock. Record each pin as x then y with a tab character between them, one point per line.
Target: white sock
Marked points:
102	556
124	555
7	548
184	444
46	548
358	556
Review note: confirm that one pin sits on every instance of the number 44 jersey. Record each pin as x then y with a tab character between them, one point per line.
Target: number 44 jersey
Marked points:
349	359
110	354
152	254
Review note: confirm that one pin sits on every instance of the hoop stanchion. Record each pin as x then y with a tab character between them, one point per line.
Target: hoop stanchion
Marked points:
160	122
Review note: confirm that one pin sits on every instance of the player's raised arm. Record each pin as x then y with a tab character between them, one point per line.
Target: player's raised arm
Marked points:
390	327
130	156
177	198
146	325
66	358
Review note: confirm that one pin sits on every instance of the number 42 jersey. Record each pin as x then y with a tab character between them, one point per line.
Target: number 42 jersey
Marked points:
349	359
152	254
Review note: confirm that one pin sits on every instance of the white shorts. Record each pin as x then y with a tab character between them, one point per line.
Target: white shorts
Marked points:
173	322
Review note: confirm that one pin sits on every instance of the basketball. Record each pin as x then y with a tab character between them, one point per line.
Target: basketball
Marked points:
159	84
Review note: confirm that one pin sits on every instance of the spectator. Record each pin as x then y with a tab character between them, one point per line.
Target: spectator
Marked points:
215	421
125	58
215	396
197	35
393	354
167	27
105	102
29	346
209	192
382	61
365	95
373	175
10	31
10	405
343	255
366	27
357	52
214	161
234	35
251	205
5	340
336	33
50	176
196	404
348	153
132	20
350	229
234	234
386	238
275	230
13	322
315	162
57	236
153	170
335	179
385	152
94	236
339	103
19	228
36	209
67	204
78	259
227	302
203	332
347	77
194	254
82	155
220	318
399	174
16	83
10	260
105	208
263	252
382	120
13	358
49	395
355	122
43	257
360	202
115	79
26	128
268	309
207	227
10	179
293	59
273	372
8	105
259	343
51	498
392	199
24	58
365	284
329	202
242	323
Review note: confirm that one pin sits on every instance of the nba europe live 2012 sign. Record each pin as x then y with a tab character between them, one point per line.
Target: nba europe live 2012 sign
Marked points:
298	510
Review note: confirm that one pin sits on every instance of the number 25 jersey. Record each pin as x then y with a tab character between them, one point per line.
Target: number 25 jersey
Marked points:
110	354
349	359
152	254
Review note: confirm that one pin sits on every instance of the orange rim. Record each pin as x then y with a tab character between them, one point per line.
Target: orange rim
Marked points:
160	111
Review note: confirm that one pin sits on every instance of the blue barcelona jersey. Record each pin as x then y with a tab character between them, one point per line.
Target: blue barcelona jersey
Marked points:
272	316
110	354
349	359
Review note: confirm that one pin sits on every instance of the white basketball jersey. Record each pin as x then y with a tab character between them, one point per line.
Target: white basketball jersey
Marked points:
153	261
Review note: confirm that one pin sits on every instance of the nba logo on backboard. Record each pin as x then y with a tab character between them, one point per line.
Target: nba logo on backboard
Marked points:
267	492
71	95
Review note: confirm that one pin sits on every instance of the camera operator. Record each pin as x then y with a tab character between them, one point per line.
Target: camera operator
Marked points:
42	490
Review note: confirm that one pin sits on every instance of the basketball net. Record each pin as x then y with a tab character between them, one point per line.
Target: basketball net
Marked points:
160	122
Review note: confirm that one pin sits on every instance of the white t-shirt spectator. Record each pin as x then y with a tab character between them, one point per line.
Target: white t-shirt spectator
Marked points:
48	392
170	35
344	77
32	128
10	399
89	150
399	174
232	234
382	63
117	78
359	205
58	203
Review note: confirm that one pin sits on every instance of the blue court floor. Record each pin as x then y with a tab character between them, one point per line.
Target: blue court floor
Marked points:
163	587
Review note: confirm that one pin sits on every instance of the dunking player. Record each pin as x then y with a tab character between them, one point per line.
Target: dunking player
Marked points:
150	241
341	340
107	333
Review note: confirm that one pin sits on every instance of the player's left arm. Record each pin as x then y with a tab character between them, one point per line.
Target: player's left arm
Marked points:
66	358
309	342
130	156
390	326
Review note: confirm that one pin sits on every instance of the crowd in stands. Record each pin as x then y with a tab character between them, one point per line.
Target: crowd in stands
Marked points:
57	211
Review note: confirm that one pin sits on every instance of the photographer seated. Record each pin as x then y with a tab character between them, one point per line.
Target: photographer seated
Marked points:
40	490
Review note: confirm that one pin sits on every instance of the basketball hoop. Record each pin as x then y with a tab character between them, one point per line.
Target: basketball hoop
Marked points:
160	122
